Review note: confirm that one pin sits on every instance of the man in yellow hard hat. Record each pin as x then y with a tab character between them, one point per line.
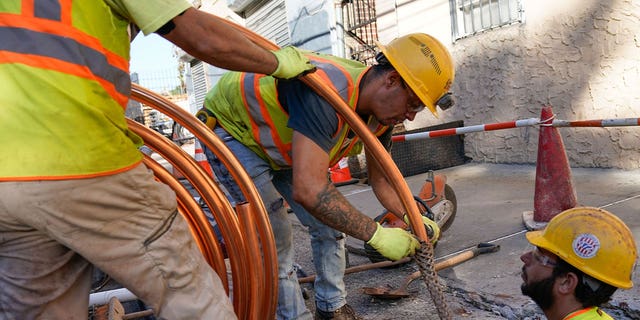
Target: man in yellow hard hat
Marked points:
580	259
286	136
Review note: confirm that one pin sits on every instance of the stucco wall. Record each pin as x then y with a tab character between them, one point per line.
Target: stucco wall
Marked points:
580	57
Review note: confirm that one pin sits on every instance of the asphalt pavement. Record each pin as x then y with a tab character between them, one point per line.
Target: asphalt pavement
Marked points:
491	200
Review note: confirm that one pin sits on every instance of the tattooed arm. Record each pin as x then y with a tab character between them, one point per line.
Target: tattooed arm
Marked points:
314	191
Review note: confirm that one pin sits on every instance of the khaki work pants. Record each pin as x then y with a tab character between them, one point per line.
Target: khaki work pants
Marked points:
125	224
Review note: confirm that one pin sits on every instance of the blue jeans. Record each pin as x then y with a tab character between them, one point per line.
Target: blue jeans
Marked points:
327	244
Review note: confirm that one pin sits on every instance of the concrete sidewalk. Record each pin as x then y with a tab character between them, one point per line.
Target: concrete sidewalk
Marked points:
491	200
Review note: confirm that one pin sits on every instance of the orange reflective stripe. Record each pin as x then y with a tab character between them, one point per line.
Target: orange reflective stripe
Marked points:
80	176
343	71
65	16
64	67
46	26
282	147
577	313
117	86
27	8
266	115
263	127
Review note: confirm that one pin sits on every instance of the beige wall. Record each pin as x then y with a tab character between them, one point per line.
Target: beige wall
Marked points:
582	57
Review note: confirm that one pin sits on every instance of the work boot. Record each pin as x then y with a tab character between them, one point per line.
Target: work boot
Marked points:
343	313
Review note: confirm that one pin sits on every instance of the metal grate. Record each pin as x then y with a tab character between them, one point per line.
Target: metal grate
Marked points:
419	156
361	30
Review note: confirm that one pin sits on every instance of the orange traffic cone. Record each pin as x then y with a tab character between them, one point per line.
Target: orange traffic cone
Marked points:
554	190
340	173
201	158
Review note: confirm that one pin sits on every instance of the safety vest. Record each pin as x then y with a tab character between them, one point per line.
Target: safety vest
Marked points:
262	124
64	74
590	313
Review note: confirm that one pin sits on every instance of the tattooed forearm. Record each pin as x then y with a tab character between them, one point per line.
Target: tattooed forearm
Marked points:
333	209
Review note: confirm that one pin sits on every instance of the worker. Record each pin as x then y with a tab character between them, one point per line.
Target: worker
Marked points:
286	136
74	192
579	260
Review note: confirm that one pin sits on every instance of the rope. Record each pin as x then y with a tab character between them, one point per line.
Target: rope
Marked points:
547	122
424	260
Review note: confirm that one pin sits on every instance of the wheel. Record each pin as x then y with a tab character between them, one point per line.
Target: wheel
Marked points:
450	197
180	134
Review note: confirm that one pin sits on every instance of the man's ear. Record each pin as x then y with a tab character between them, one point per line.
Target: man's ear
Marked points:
393	78
567	283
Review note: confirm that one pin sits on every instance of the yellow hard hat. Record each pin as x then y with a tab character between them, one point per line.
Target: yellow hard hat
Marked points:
425	65
594	241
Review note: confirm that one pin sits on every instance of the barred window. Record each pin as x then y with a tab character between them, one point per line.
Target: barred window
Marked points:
469	17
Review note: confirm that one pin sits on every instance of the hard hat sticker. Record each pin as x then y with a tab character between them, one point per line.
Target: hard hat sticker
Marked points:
586	245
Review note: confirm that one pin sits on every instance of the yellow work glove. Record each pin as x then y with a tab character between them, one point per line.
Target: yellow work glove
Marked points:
393	243
433	231
291	63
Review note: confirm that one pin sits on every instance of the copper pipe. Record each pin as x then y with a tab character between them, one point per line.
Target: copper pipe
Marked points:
222	211
263	226
247	222
186	204
198	222
218	203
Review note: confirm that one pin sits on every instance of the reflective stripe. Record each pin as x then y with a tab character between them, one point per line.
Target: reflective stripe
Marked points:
47	9
67	50
262	125
265	120
261	122
348	144
337	78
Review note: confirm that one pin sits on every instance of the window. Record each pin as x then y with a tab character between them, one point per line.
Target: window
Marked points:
469	17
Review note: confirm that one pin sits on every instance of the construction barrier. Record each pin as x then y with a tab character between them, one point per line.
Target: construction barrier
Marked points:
554	191
623	122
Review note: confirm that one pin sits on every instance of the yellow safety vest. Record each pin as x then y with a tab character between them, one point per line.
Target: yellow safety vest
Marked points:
64	75
590	313
261	124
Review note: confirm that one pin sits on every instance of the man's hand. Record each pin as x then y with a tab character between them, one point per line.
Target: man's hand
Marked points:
433	231
291	63
393	243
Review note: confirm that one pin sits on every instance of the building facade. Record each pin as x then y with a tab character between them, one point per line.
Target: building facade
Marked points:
512	57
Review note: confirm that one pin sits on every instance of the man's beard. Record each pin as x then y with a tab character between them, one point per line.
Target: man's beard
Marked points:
540	292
